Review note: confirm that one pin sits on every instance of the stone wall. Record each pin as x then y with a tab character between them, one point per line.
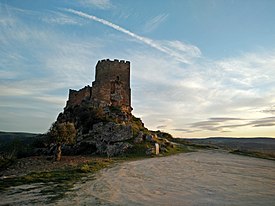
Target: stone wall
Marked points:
76	97
111	85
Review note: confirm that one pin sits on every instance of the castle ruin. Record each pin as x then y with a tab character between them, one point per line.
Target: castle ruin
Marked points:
110	88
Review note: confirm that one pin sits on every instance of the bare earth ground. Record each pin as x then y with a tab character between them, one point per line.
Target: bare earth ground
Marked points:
199	178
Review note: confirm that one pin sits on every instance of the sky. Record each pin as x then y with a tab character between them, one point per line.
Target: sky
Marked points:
198	68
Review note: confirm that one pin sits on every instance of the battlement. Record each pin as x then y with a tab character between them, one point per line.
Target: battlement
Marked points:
107	70
111	85
115	60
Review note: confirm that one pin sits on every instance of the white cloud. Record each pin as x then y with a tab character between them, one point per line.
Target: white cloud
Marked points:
59	18
54	100
100	4
183	53
39	65
6	20
269	109
8	74
12	91
163	88
249	70
155	22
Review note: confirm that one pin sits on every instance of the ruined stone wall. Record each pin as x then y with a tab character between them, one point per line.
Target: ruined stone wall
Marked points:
108	74
76	97
111	86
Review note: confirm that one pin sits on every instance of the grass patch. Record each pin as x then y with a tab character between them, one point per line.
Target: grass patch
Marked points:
57	176
56	183
94	166
41	177
176	149
138	151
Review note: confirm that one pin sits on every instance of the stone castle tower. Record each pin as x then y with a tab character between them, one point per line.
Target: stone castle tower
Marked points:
110	88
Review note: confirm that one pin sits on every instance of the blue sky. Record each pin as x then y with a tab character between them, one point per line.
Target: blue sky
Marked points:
198	68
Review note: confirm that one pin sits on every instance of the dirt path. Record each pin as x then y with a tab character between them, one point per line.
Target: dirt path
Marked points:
200	178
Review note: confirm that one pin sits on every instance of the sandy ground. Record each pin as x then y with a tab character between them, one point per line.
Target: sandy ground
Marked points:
198	178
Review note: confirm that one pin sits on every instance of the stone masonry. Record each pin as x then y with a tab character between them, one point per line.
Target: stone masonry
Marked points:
110	88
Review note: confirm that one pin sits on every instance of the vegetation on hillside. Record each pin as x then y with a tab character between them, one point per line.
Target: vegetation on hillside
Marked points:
62	133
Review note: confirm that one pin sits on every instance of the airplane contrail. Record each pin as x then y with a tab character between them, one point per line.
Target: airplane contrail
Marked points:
145	40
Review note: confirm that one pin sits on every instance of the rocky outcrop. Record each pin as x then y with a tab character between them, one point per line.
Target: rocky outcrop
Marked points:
139	138
101	115
108	138
111	132
117	148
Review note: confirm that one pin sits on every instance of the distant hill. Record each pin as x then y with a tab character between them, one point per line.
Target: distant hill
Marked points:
258	143
19	144
10	136
258	146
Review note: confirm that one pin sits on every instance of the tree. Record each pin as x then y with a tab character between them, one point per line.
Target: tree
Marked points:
62	133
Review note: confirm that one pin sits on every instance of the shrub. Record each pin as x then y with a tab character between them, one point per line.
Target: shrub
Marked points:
62	133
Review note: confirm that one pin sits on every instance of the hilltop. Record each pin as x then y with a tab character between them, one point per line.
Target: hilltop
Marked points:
102	117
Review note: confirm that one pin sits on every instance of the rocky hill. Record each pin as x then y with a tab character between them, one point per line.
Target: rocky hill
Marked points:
102	116
110	131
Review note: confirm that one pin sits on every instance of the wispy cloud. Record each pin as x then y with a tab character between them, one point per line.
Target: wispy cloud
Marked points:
40	61
153	23
100	4
38	64
219	124
6	21
202	91
185	130
270	109
161	126
8	74
222	124
263	122
249	70
59	18
180	51
224	119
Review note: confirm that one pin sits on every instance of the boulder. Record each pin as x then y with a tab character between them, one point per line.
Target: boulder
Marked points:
107	138
111	132
117	148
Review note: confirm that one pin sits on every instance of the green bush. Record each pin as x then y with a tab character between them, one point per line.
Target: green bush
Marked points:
85	168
